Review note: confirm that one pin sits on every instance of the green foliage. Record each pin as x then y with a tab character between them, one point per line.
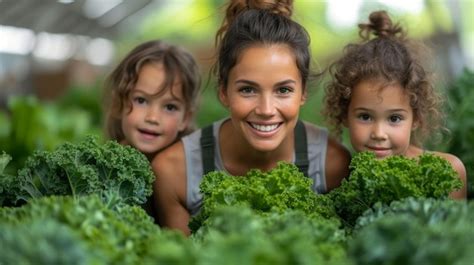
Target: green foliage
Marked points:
393	178
123	235
282	188
4	160
240	235
32	125
119	174
461	123
86	99
41	242
8	186
415	231
210	109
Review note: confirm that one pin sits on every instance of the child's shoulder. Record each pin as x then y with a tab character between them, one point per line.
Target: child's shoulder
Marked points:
457	164
171	155
459	167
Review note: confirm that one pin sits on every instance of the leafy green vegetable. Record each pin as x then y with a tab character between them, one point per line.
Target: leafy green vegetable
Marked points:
42	242
34	125
119	174
8	189
415	231
461	124
393	178
124	235
240	235
279	189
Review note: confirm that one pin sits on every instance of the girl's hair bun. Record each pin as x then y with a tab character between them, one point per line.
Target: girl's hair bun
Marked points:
381	26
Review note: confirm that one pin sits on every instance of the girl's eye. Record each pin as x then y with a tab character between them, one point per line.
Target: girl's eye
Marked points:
246	90
139	100
364	117
395	118
171	107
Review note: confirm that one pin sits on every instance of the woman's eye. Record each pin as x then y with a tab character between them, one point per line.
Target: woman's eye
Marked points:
284	90
246	90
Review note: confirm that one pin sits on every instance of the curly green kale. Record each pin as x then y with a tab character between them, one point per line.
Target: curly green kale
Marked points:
42	242
123	235
240	235
373	180
279	189
415	231
8	187
120	174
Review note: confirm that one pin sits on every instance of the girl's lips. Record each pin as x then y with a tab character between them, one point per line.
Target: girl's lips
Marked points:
380	152
148	133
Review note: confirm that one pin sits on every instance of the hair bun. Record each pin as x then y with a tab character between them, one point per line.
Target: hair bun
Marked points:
380	25
281	7
236	7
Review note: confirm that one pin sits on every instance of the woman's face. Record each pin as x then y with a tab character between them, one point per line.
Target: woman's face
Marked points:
264	94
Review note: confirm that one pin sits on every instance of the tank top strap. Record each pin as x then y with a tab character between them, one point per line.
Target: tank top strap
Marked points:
301	148
207	142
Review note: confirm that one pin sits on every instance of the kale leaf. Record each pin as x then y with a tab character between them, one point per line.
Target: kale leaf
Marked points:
120	174
415	231
375	180
282	188
123	235
240	235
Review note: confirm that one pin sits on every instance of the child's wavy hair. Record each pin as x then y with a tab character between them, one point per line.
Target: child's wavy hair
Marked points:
390	57
179	65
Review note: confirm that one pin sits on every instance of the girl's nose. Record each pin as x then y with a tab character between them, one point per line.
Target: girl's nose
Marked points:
378	132
152	115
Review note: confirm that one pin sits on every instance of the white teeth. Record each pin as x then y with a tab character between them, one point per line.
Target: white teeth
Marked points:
264	128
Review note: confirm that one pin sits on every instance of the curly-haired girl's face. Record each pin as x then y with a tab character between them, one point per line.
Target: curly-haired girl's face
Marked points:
380	119
155	117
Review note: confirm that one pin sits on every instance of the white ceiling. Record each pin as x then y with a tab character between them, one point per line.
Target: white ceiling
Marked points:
92	18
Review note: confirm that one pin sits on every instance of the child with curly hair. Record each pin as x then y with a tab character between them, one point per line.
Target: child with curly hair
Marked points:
381	92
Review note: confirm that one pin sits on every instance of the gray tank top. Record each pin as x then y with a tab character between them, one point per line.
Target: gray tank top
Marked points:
317	139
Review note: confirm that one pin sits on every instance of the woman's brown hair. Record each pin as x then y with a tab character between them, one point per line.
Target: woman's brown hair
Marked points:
260	22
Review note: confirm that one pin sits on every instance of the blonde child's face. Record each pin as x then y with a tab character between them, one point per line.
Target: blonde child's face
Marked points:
264	94
379	119
154	120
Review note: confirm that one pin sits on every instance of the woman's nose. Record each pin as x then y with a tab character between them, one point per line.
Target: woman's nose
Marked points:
266	106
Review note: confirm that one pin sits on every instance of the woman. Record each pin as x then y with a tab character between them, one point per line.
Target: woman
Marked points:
262	70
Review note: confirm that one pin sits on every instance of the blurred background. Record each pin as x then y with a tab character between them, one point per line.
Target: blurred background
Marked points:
55	55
